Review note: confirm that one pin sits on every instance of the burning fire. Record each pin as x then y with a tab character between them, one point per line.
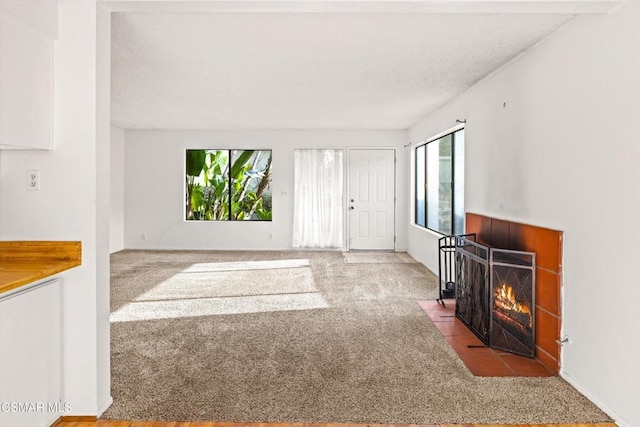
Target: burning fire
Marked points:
506	300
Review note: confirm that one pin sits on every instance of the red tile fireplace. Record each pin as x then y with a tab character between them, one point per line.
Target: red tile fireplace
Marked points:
546	274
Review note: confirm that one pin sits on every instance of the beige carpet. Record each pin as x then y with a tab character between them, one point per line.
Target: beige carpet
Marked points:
377	257
300	336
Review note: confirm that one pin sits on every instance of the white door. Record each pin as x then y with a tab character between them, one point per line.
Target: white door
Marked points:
371	199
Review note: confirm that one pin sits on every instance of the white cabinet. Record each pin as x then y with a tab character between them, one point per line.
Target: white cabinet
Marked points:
30	355
26	78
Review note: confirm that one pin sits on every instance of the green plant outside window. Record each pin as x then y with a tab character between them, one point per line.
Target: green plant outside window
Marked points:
224	185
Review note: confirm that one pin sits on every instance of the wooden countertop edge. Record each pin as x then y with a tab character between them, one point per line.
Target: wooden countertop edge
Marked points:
31	250
40	274
25	262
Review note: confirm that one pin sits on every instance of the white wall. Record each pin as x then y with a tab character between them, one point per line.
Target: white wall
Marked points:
103	148
116	158
66	207
563	153
154	186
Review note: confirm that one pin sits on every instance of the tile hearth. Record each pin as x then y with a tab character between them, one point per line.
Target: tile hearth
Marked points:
480	360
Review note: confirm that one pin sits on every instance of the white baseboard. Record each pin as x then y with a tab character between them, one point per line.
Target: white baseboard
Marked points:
104	406
618	420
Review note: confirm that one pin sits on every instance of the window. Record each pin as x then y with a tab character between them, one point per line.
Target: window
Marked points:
439	174
228	185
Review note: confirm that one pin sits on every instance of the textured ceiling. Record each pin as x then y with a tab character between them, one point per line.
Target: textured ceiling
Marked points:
305	70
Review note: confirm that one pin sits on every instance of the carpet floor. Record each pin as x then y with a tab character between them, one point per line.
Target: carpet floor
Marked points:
300	337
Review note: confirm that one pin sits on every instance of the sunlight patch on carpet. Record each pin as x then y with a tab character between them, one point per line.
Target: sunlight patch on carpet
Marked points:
171	309
247	265
227	283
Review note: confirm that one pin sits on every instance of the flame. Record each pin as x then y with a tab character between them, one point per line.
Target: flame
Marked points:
506	299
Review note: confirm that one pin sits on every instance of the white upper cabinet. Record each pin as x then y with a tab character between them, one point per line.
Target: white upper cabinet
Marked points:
26	73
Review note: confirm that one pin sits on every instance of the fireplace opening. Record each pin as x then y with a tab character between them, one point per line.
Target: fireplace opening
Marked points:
495	292
512	301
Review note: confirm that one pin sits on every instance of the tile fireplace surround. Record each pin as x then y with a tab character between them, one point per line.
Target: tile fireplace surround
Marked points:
547	244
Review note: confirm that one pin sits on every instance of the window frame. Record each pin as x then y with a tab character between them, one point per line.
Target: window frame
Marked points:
229	184
424	174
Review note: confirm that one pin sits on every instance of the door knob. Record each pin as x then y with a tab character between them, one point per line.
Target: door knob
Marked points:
352	200
351	207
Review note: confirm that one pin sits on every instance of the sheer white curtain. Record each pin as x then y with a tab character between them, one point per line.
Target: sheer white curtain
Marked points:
317	212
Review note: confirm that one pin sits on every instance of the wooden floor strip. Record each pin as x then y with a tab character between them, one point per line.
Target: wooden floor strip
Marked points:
116	423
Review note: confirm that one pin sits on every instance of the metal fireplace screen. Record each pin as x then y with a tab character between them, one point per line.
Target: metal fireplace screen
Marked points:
472	292
513	301
495	295
447	266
